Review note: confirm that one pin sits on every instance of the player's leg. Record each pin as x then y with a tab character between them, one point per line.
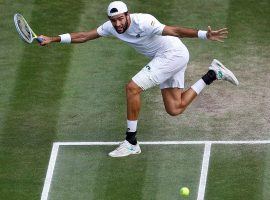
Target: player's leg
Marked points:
133	92
157	71
134	88
130	145
174	97
133	97
176	101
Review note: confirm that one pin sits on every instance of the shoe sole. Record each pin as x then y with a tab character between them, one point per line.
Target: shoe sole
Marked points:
115	156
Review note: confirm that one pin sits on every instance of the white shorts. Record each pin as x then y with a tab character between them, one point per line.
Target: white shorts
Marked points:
166	69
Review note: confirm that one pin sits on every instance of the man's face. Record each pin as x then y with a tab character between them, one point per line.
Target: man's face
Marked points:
120	22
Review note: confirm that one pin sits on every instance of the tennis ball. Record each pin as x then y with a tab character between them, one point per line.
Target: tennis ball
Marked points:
184	191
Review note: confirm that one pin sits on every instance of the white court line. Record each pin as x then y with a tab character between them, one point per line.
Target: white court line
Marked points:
166	142
49	175
56	145
204	171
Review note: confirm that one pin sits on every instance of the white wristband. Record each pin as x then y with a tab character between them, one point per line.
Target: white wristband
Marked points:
65	38
202	35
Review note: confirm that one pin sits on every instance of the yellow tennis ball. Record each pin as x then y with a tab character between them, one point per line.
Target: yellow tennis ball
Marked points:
184	191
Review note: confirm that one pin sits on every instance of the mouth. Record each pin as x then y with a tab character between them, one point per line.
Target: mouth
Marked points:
119	29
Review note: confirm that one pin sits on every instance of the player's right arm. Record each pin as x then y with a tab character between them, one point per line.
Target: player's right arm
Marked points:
78	37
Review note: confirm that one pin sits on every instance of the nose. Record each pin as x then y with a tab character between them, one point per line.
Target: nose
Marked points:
118	23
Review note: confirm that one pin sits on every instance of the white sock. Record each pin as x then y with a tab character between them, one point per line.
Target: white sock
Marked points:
131	126
198	86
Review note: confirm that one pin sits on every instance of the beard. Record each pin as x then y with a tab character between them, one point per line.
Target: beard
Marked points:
125	27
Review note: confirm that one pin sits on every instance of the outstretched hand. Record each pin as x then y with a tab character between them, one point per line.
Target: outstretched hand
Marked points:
45	40
218	35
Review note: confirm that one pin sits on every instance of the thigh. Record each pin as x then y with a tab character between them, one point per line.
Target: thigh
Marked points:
160	69
176	81
171	96
171	93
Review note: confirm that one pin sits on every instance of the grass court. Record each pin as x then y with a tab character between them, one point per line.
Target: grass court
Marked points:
62	107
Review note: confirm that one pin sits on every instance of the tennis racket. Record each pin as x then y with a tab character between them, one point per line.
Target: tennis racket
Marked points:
24	30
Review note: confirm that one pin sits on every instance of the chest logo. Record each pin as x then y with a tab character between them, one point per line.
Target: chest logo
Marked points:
138	35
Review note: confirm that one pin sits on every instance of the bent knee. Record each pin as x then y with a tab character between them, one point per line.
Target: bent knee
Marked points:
133	88
175	112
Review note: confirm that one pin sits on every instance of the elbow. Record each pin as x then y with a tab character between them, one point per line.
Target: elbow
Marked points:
177	32
172	31
84	38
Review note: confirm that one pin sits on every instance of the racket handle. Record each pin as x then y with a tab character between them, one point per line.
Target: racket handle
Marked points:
40	40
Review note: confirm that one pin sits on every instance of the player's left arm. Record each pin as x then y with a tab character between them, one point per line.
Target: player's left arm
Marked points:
214	35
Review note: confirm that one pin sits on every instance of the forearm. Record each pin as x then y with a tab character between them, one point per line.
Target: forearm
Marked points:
81	37
181	32
78	37
185	32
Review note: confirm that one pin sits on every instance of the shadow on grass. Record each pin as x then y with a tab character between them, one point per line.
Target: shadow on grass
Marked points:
29	127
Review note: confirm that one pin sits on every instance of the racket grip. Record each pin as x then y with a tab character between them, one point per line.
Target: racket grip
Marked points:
40	40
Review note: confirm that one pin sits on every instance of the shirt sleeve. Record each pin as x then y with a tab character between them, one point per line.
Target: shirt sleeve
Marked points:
105	29
152	26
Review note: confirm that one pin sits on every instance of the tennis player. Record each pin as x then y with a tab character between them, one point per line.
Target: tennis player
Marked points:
169	59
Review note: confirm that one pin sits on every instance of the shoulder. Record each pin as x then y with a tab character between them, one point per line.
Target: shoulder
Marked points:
143	20
141	17
107	25
105	29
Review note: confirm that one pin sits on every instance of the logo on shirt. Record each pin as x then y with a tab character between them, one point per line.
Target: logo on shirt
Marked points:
138	35
148	67
152	23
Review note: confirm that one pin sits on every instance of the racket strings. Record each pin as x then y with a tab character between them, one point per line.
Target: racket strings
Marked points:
24	29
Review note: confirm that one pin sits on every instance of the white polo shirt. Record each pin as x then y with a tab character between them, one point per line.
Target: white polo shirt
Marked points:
144	34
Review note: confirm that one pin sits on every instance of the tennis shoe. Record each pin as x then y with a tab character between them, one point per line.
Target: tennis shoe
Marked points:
222	73
125	149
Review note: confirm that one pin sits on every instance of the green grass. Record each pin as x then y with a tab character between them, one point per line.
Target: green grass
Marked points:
31	112
84	173
76	93
250	180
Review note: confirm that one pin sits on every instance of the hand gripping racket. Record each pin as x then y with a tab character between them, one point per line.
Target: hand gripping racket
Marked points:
24	30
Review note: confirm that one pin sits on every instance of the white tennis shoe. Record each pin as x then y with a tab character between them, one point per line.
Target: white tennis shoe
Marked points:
222	73
125	149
